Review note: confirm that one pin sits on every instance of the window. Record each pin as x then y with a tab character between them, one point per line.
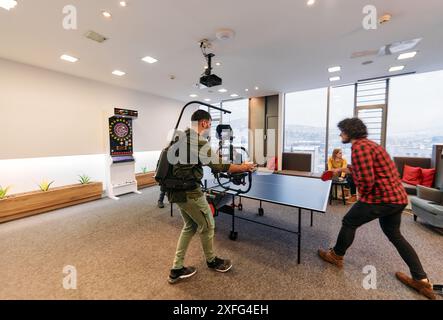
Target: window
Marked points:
305	125
371	106
217	117
415	114
341	106
238	119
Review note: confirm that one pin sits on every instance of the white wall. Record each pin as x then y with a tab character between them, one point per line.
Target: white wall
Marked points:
54	125
45	113
26	174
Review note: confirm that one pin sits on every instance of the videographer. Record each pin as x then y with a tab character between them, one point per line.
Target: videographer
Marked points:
194	208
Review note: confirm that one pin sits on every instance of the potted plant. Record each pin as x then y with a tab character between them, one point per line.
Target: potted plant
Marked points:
4	192
47	199
145	178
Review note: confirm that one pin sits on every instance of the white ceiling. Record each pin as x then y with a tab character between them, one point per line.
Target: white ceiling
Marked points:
280	45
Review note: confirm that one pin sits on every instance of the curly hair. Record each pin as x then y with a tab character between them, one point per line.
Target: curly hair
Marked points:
354	128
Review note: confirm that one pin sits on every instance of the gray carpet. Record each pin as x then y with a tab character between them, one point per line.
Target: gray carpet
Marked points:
124	249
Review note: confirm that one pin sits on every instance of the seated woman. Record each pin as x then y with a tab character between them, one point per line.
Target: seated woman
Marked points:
336	163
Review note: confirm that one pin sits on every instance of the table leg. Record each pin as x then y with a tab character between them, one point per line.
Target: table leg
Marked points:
312	218
343	194
299	237
172	214
261	212
233	234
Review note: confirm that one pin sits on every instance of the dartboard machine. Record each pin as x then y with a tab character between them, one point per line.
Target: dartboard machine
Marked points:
121	174
120	134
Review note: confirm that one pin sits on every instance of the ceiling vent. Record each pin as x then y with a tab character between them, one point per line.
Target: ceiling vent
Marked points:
389	49
92	35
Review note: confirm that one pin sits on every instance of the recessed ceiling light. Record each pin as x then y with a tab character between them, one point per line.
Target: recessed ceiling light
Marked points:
397	68
8	4
407	55
94	36
334	69
123	3
69	58
222	90
118	73
310	2
193	95
234	95
246	90
106	14
207	100
149	59
218	64
334	79
256	88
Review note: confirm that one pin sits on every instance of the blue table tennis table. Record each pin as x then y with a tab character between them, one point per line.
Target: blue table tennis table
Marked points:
301	193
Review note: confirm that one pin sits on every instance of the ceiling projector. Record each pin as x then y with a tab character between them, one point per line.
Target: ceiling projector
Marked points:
208	79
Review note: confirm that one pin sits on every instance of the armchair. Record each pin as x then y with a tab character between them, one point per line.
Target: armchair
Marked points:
428	205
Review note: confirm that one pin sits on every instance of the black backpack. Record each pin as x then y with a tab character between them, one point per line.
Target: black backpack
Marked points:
165	177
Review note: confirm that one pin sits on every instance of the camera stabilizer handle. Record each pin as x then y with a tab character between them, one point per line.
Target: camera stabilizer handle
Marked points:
238	179
195	102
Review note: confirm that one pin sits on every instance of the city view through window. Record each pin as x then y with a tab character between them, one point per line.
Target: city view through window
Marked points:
415	111
415	114
239	122
305	125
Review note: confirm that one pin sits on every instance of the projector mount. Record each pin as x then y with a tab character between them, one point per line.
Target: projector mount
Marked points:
204	45
207	79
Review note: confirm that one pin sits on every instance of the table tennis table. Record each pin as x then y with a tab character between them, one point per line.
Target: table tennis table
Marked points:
301	193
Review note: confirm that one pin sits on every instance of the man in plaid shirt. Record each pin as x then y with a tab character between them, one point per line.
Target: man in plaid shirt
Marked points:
383	197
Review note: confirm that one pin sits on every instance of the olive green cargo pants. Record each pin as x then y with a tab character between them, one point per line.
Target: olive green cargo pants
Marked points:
197	217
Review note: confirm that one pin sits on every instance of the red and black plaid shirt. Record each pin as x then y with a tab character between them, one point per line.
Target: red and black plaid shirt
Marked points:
375	174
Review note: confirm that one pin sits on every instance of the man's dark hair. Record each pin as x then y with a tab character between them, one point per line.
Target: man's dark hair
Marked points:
201	115
354	128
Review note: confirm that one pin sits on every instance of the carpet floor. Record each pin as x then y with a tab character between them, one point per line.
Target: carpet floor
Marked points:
124	250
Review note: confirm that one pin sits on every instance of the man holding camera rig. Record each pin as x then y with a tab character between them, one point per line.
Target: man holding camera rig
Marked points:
194	208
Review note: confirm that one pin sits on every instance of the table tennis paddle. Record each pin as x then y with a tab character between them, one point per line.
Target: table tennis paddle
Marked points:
327	175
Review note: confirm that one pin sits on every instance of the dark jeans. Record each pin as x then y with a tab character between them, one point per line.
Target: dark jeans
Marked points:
389	216
162	196
351	184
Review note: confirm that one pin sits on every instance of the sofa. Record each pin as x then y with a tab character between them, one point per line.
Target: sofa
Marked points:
428	203
400	163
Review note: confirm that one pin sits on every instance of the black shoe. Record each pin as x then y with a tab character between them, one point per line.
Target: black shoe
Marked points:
161	204
178	274
220	265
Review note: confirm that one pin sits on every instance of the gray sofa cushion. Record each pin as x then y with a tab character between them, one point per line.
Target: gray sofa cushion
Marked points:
430	206
430	194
